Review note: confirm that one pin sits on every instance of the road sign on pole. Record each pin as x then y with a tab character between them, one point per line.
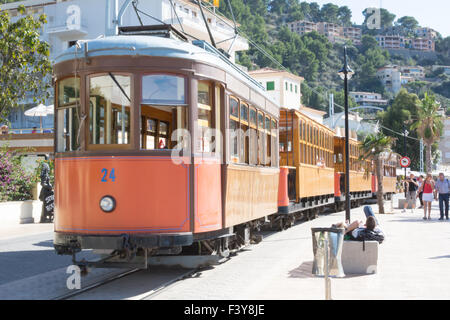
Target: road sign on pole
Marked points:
405	162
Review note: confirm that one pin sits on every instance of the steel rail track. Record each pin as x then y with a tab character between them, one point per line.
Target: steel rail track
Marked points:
97	284
144	296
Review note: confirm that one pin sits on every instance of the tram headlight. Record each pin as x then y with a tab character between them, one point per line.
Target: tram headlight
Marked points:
108	204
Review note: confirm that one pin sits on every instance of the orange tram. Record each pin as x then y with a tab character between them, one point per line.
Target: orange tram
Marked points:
164	147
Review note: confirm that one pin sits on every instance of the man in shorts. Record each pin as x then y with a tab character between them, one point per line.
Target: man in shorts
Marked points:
411	185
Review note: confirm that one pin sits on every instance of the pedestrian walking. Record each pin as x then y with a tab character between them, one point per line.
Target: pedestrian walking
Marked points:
428	195
420	194
442	188
411	186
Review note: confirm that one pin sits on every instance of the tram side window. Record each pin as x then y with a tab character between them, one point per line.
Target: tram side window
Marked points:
274	143
68	115
253	137
164	113
234	129
205	117
268	138
109	110
261	139
245	134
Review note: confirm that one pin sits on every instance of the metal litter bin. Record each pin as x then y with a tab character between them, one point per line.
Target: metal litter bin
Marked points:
327	245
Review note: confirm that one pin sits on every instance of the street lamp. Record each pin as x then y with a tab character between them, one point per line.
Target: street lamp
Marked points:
346	73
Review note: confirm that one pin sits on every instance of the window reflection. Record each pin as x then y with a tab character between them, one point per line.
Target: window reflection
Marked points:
68	115
163	89
109	112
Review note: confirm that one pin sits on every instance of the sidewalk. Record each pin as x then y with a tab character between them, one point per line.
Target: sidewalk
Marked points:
23	230
413	264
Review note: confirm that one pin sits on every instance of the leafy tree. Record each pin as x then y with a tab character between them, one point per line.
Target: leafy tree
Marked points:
398	117
329	13
409	24
345	16
443	88
429	125
378	147
24	61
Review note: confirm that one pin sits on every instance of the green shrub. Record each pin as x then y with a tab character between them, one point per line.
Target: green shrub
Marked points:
15	183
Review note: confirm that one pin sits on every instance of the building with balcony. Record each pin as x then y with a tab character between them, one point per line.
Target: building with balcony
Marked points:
372	99
353	33
426	33
423	44
302	27
334	32
397	42
416	72
391	77
391	42
284	87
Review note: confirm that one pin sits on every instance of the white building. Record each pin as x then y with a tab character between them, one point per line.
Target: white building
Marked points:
391	77
369	99
356	125
416	72
284	87
314	114
71	20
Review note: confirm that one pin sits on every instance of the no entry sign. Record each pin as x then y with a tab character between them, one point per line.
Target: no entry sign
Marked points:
405	162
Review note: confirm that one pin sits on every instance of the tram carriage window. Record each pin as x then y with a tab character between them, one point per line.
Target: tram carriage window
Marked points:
109	111
234	127
163	111
68	115
310	133
301	130
261	139
245	135
274	150
205	113
307	132
268	138
253	137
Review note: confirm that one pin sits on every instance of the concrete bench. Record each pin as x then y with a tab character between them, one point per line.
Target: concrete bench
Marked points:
360	257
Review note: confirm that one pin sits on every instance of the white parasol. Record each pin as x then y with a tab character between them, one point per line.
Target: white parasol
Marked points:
40	111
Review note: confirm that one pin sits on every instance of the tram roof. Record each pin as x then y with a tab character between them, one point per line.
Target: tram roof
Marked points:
144	45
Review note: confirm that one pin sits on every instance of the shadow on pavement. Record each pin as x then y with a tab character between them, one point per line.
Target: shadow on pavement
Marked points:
440	257
47	244
17	265
303	271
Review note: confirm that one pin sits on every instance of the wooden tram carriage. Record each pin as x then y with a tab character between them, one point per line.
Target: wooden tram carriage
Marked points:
306	157
121	105
138	173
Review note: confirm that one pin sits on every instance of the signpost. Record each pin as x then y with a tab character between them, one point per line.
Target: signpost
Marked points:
405	162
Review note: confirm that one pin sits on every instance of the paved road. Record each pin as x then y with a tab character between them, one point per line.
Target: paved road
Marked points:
27	256
30	268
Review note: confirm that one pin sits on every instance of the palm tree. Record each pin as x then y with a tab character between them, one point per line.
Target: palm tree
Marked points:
429	125
378	147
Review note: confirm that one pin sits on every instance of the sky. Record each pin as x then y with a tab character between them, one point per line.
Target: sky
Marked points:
429	13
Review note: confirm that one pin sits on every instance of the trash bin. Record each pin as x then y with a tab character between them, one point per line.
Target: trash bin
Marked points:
335	239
